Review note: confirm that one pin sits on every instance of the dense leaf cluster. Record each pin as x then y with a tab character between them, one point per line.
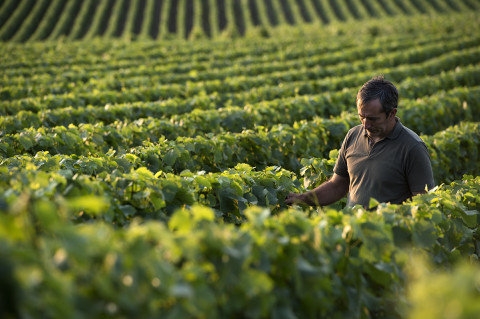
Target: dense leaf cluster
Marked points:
131	190
333	263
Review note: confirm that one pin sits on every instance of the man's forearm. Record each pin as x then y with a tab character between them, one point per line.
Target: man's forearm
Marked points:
325	194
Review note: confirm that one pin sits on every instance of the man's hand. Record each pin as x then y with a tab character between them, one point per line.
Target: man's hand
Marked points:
294	198
325	194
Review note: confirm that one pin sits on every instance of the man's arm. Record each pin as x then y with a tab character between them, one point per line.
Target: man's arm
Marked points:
419	170
325	194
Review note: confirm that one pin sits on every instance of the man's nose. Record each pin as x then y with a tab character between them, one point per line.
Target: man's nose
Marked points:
366	124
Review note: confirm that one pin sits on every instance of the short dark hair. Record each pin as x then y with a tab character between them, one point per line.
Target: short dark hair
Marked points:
379	88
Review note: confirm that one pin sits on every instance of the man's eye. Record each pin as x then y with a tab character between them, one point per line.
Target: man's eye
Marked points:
371	119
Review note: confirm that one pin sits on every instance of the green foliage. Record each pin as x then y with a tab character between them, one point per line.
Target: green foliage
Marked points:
347	263
129	192
192	20
444	294
140	178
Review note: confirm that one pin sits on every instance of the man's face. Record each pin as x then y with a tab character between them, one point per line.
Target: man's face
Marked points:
377	124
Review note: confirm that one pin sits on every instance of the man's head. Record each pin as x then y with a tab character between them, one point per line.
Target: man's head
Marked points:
379	88
377	106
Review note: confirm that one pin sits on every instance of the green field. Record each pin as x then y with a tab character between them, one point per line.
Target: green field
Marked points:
146	149
30	20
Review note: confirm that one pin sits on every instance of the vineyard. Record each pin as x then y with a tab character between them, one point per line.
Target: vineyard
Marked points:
147	147
39	20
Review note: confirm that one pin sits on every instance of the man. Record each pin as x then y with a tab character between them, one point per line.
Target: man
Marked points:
380	159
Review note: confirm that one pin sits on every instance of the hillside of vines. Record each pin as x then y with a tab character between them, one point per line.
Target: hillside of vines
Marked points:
147	147
30	20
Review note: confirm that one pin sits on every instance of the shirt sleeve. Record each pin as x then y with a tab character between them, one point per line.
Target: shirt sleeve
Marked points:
341	164
419	169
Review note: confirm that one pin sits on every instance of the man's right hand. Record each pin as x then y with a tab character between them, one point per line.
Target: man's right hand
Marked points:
295	198
325	194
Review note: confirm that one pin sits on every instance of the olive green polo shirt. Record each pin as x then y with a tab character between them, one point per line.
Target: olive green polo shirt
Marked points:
389	170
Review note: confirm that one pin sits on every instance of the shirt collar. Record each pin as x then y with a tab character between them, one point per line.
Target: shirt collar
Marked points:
396	129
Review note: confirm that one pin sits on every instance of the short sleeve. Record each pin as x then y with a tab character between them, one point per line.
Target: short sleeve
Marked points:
419	169
341	164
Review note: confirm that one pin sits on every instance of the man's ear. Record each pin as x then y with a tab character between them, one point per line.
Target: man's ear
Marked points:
393	112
